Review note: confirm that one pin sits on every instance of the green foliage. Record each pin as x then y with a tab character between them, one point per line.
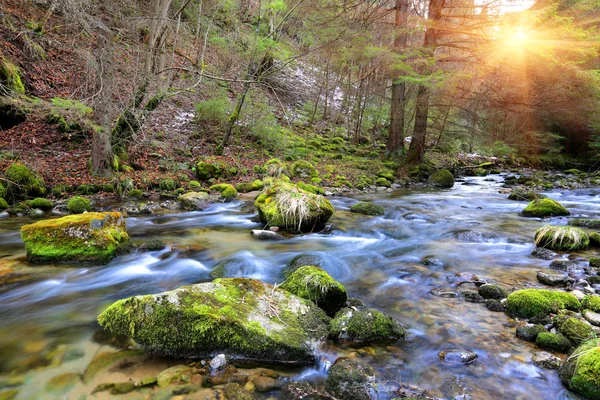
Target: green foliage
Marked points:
78	205
213	110
167	184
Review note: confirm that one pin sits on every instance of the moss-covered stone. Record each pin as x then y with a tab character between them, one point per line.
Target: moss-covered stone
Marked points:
591	303
524	195
40	203
21	183
364	325
583	223
480	172
367	208
228	192
193	201
545	208
244	187
258	185
312	283
175	374
443	179
575	330
302	260
10	76
383	182
206	171
78	205
594	262
3	204
62	383
243	318
561	238
310	188
528	303
275	167
553	342
594	239
490	291
304	169
349	380
286	206
135	194
581	371
195	186
167	184
153	245
89	237
386	174
2	191
530	332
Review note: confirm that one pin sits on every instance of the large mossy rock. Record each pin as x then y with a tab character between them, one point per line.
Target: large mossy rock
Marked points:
519	194
350	380
21	183
243	318
545	208
364	325
193	201
90	237
290	208
443	179
528	303
312	283
367	208
581	371
561	238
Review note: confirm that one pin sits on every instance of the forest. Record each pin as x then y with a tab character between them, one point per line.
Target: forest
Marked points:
299	199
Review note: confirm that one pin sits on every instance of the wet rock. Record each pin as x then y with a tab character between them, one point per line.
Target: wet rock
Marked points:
472	297
562	265
543	254
233	391
195	201
350	380
263	322
301	391
62	383
541	208
546	360
105	360
447	293
490	291
529	332
218	364
266	235
552	279
367	208
364	325
578	294
457	356
122	388
176	374
519	194
581	370
266	384
443	179
432	262
153	245
592	317
495	305
469	237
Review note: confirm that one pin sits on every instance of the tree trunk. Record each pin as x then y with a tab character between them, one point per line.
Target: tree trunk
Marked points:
395	143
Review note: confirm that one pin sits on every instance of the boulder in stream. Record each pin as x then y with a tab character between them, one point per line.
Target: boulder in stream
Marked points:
528	303
262	234
367	208
545	208
241	318
350	380
457	356
443	179
194	201
561	238
581	371
89	237
364	325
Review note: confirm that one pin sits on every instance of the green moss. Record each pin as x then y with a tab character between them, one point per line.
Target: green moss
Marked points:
594	239
228	192
9	394
78	205
244	187
105	360
364	325
443	178
153	245
575	330
524	195
349	380
581	371
562	238
553	342
594	262
206	171
10	76
286	206
3	204
304	169
382	182
21	183
41	203
224	315
545	208
167	184
195	186
591	303
2	191
275	167
314	284
529	303
62	383
59	190
135	194
367	208
258	185
310	188
480	172
89	237
585	223
386	174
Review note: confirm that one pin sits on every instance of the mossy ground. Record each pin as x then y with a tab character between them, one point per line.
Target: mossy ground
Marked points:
89	237
528	303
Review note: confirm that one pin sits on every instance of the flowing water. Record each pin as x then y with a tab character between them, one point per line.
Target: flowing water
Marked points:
471	229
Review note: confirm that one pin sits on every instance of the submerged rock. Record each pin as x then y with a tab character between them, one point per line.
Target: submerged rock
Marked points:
349	380
367	208
261	234
545	208
242	318
543	254
89	237
301	391
457	356
364	325
291	208
581	371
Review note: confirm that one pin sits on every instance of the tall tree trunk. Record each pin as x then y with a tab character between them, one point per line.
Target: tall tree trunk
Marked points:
419	137
395	143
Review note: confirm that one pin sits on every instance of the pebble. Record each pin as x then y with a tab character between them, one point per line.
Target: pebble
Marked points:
552	279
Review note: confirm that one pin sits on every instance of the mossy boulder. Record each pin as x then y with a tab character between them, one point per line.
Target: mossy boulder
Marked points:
553	342
581	223
244	187
89	237
530	332
290	208
360	324
21	183
228	192
312	283
480	172
367	208
383	182
443	179
491	291
581	371
349	380
206	171
524	195
561	238
79	205
575	330
304	169
275	167
591	303
3	204
41	203
528	303
10	76
242	318
594	239
135	194
193	201
544	208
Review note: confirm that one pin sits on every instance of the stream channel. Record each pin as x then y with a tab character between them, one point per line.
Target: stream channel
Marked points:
471	229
